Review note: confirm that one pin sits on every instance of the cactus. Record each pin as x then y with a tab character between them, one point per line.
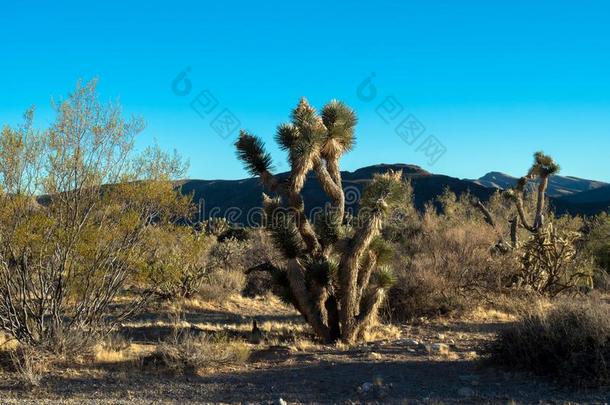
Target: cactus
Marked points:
548	262
335	274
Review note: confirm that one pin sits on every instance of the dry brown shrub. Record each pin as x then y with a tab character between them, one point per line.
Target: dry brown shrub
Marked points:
189	353
570	342
29	364
451	267
219	285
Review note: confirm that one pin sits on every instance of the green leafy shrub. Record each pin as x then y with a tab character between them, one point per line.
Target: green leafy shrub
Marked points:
176	260
75	203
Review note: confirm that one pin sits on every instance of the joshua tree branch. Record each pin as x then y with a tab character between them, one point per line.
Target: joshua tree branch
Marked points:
331	186
365	272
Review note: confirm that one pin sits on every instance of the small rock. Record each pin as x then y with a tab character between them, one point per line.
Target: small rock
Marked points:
410	350
412	342
439	348
466	392
280	401
375	356
440	336
451	342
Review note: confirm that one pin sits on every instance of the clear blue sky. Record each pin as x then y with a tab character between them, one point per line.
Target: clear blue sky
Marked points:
493	81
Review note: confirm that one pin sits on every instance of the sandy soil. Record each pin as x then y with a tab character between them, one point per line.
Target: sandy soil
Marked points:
408	368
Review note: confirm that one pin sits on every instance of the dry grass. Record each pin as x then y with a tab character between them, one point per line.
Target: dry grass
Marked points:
196	354
7	342
29	365
116	349
382	332
219	285
488	314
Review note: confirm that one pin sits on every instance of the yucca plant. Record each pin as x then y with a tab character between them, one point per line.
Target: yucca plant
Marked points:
335	274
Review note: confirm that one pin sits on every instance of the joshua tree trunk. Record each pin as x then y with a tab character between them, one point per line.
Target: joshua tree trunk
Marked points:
542	186
334	277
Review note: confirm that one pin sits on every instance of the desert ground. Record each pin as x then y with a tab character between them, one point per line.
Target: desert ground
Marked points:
425	361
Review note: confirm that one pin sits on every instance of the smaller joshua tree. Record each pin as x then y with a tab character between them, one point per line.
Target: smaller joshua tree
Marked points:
335	274
549	263
544	166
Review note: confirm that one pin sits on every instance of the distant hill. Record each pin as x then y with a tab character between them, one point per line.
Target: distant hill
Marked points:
240	200
598	195
559	186
586	203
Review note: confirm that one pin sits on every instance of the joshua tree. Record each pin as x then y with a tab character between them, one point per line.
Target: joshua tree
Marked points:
334	275
543	167
548	256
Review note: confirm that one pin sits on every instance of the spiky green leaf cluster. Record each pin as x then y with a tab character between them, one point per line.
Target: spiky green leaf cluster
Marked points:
340	121
386	190
286	136
251	151
323	272
384	277
282	285
306	132
284	232
328	227
382	250
544	165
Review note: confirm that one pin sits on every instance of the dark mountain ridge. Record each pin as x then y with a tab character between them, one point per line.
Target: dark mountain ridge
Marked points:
559	186
240	200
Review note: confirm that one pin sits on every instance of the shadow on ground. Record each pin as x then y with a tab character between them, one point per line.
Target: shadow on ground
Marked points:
330	382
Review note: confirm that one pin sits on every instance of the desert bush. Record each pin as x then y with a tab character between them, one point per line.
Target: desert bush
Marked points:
570	342
187	353
218	285
449	263
230	254
598	240
176	260
65	256
215	226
